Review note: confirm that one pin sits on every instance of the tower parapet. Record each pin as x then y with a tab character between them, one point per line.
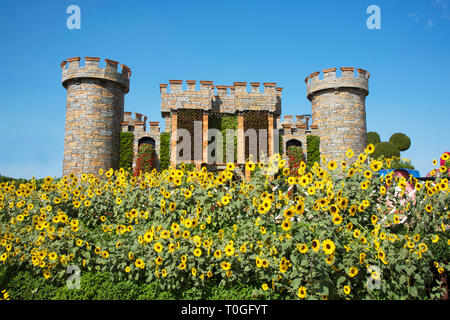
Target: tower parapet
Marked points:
72	70
338	110
330	80
94	113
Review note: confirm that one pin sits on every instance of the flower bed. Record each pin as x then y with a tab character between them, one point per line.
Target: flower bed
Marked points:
329	233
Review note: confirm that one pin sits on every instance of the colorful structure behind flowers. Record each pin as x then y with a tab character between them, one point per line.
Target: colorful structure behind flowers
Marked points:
444	169
146	159
327	233
295	157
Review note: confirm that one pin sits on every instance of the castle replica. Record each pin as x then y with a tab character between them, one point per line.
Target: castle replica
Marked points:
95	116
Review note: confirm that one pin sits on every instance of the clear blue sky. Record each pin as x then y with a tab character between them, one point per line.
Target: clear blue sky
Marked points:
224	41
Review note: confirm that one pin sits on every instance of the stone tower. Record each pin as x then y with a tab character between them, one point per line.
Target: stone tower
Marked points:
94	111
338	110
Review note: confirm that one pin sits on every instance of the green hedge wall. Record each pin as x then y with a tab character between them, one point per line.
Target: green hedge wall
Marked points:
126	150
24	285
313	150
223	123
164	152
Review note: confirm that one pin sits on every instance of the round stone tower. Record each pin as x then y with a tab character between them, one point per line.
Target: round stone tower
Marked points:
338	111
94	110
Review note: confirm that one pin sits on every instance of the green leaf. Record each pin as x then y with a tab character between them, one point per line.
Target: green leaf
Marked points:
296	283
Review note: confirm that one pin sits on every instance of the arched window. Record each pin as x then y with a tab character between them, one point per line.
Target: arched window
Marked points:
293	142
146	140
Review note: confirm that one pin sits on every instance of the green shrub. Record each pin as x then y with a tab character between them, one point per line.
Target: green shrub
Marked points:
373	138
313	150
385	150
401	140
126	150
164	156
399	164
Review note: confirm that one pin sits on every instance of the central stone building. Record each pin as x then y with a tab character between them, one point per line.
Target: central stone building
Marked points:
221	107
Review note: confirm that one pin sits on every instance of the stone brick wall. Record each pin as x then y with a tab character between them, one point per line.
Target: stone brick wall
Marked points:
338	110
220	98
94	110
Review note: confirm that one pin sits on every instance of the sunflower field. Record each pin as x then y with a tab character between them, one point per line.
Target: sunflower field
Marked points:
332	231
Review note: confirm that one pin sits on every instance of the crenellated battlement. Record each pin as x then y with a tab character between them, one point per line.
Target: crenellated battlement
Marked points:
71	69
300	124
221	98
329	79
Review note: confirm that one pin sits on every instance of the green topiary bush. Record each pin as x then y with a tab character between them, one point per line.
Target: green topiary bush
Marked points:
373	138
401	140
385	150
313	150
126	150
164	156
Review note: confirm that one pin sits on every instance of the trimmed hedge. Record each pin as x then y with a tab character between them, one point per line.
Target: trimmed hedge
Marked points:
126	150
164	153
24	285
401	140
313	150
373	138
386	150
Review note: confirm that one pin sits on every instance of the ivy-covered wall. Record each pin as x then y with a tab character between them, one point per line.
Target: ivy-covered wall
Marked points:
223	123
164	156
313	151
126	150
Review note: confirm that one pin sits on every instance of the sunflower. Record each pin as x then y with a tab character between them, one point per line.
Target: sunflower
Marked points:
370	148
365	184
428	208
315	244
330	259
423	247
337	219
225	200
303	248
158	247
368	174
225	265
250	166
301	292
332	165
328	246
334	209
435	238
289	213
230	166
351	172
349	153
229	250
286	225
347	290
352	272
197	252
139	264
